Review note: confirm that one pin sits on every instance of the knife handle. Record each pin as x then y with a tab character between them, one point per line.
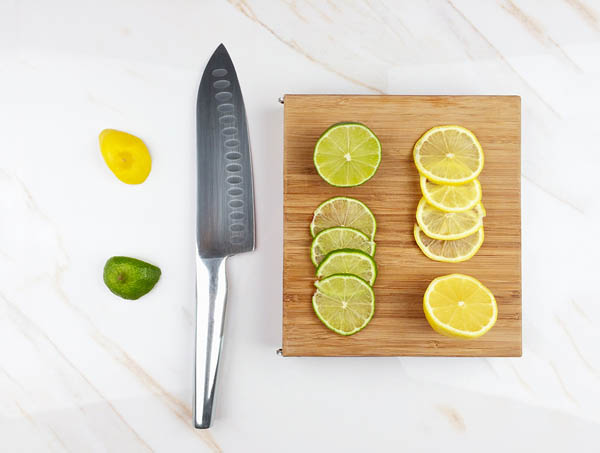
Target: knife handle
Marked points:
211	298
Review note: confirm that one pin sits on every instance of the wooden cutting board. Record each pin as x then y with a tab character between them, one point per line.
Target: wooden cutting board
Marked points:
399	327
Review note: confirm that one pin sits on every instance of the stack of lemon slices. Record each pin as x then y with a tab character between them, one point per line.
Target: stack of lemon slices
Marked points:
450	214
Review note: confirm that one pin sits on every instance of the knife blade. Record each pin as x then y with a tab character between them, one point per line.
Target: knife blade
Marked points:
225	214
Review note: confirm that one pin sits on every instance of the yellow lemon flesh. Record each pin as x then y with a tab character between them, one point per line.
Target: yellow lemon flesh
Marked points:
459	306
126	155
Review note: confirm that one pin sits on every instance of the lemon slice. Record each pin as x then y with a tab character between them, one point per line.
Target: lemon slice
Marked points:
347	154
349	262
344	303
449	251
346	212
449	155
438	224
337	239
459	306
451	198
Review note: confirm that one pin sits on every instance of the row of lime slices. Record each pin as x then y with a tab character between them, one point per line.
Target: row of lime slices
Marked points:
343	230
342	250
450	215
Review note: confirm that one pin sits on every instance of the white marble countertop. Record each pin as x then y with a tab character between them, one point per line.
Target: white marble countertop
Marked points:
83	371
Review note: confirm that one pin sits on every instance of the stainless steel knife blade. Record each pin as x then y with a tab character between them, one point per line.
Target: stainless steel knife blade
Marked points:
225	222
225	214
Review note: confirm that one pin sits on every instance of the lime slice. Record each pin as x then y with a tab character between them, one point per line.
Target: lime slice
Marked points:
339	238
347	154
346	212
344	303
349	262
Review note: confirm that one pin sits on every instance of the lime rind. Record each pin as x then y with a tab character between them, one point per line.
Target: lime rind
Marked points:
320	272
357	234
130	278
326	136
339	222
321	284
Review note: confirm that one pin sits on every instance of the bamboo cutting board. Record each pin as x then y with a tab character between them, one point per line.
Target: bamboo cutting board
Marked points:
399	326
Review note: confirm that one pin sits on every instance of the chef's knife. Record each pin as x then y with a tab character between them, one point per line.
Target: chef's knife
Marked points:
225	214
